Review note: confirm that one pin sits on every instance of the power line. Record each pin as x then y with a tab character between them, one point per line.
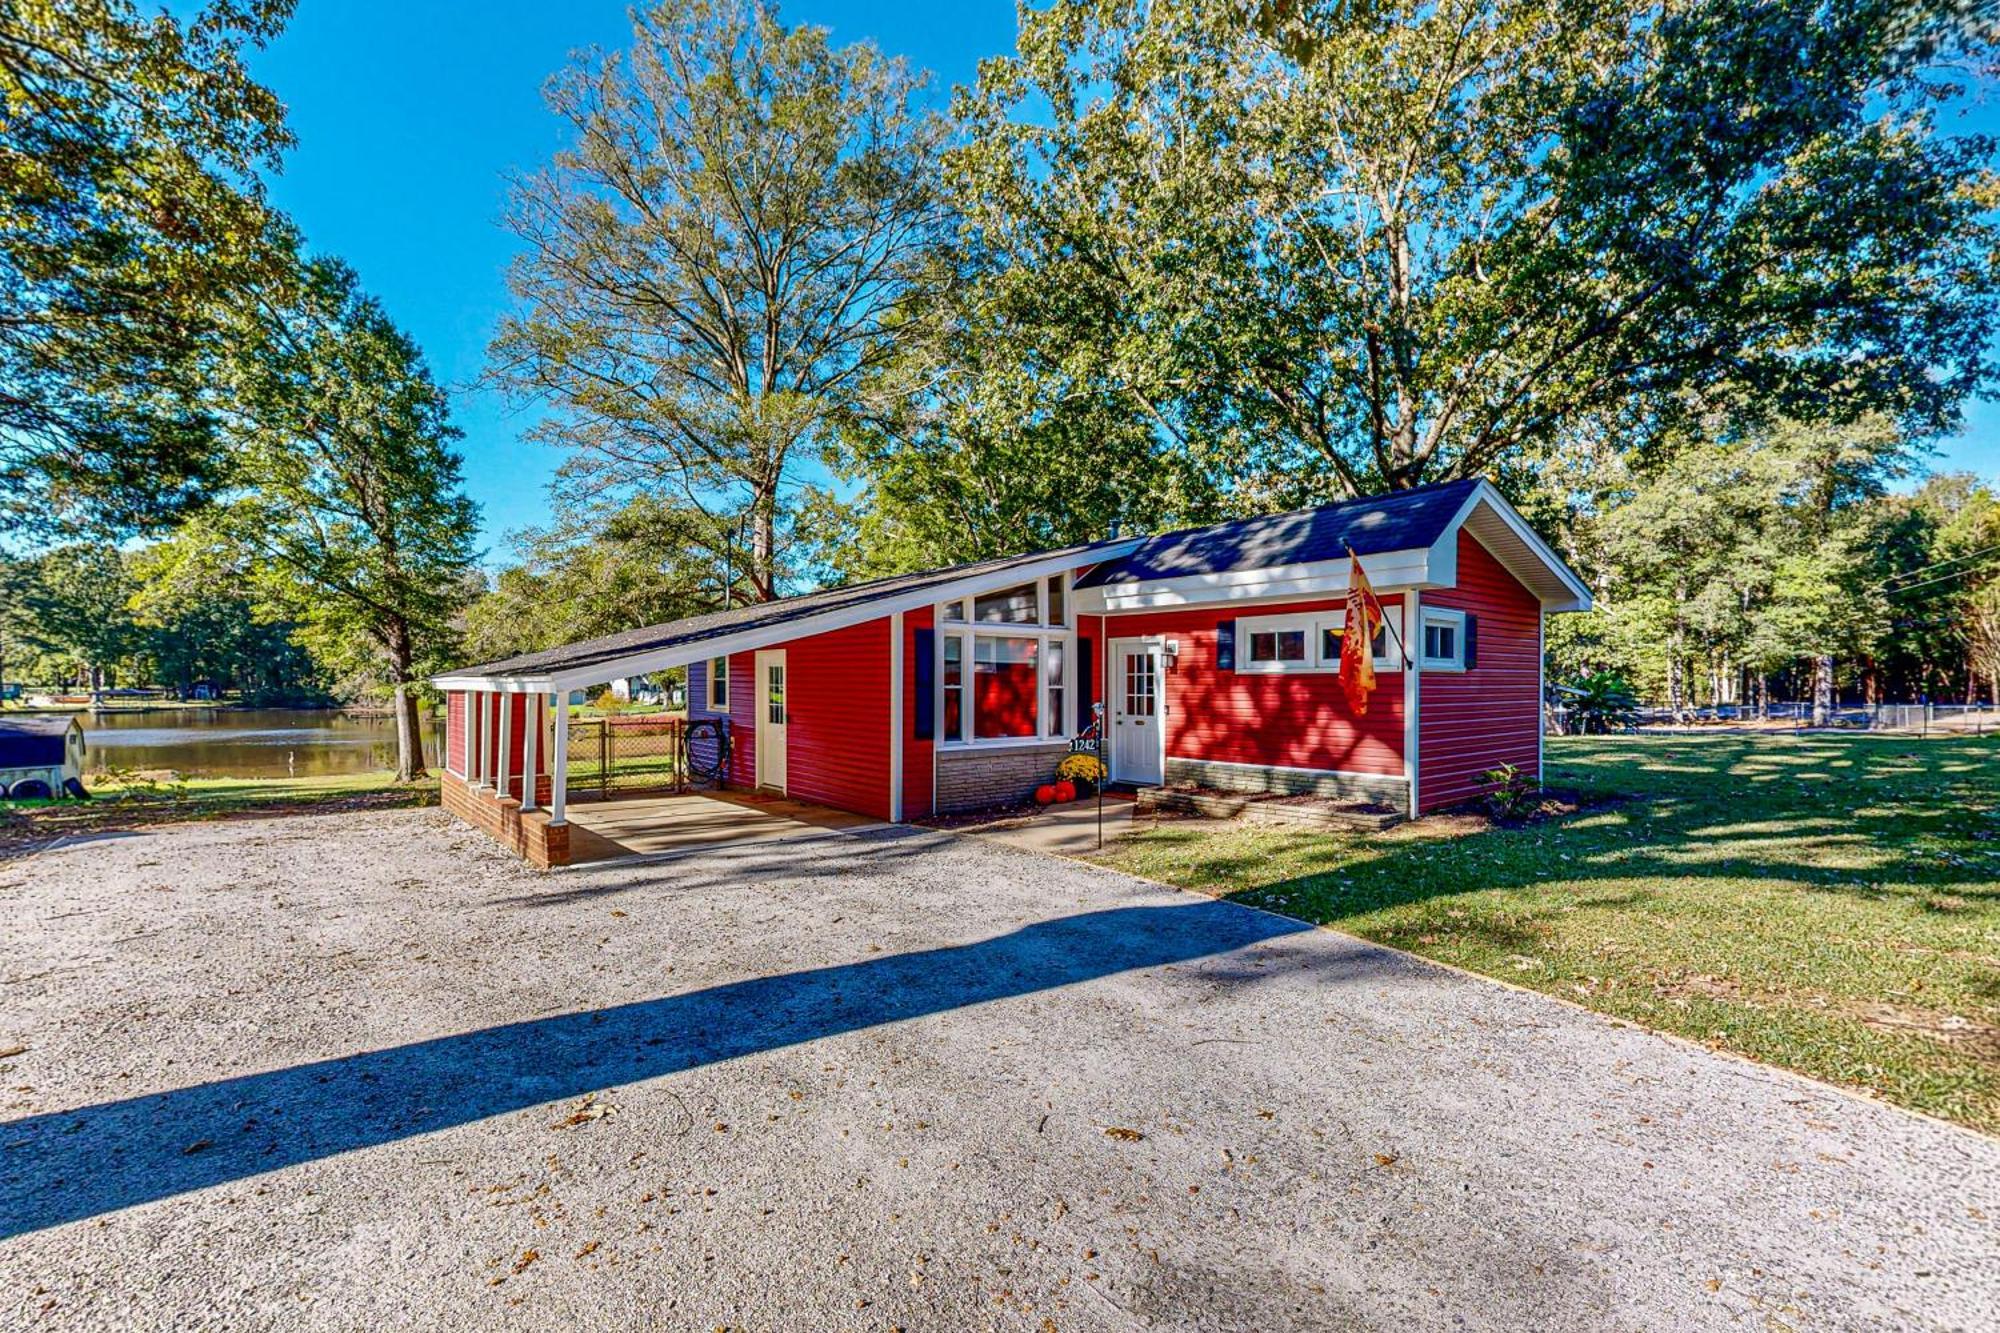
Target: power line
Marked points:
1938	564
1942	578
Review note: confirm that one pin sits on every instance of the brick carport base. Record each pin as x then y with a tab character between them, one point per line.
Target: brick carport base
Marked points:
528	834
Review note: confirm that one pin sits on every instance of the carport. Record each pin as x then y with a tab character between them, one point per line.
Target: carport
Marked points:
831	701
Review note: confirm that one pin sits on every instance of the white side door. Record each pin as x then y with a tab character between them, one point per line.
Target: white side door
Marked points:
770	682
1138	713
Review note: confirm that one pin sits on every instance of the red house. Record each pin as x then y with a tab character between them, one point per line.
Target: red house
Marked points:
1213	650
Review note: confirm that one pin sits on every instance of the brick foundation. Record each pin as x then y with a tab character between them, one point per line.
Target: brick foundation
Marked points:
1389	791
976	779
528	834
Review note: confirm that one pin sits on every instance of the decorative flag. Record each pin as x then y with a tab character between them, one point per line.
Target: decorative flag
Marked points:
1357	641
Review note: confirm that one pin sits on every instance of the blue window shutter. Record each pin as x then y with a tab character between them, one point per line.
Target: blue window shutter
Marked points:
924	707
1086	681
1471	642
1225	645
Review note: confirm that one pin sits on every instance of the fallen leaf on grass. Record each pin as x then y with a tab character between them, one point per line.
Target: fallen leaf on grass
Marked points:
527	1257
1123	1135
590	1248
1386	1159
13	1051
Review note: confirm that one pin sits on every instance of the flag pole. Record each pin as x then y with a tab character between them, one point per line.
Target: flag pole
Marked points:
1401	651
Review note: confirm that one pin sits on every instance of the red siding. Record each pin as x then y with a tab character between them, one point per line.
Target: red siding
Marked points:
743	719
837	718
917	754
454	731
1296	720
1476	720
460	711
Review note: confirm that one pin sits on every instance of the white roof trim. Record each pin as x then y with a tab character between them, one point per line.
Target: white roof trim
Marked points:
660	659
1413	567
1579	598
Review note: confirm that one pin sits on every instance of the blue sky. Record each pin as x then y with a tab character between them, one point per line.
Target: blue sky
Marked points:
409	115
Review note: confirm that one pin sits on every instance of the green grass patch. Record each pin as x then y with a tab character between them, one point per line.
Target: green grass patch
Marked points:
132	802
1826	903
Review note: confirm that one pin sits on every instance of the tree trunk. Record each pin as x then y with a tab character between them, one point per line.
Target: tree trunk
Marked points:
764	542
409	728
1822	700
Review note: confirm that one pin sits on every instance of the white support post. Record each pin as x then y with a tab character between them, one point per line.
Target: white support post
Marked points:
480	747
896	718
506	702
559	778
1413	692
532	751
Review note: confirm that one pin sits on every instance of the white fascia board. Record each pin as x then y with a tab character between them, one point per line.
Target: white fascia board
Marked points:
763	636
1413	567
497	684
1486	493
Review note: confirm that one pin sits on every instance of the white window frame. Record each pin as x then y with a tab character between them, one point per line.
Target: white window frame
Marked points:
967	631
1315	624
715	677
1443	618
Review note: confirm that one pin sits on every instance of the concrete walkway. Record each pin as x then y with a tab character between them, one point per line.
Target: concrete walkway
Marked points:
1066	830
367	1071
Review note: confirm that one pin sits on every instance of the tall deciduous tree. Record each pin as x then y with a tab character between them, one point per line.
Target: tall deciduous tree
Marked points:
363	534
719	259
130	225
75	604
1383	244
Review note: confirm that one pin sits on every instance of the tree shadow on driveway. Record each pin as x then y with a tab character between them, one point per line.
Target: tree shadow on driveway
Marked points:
62	1166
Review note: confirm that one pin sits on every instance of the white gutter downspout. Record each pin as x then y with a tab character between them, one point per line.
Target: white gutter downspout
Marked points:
896	718
1413	632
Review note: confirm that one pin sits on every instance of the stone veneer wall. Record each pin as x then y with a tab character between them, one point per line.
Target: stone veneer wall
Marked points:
1391	791
528	834
976	779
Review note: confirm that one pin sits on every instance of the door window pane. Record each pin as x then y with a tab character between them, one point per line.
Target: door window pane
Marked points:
1005	685
774	693
1139	700
1008	606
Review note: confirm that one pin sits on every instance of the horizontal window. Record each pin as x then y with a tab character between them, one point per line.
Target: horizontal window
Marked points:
1309	642
1008	606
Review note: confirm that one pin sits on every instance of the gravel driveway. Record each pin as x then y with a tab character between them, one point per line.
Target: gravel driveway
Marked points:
366	1072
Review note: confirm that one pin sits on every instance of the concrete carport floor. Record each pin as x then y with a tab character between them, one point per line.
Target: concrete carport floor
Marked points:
651	824
368	1071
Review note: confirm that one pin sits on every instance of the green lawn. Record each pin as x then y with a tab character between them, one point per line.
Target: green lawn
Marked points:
28	824
1830	904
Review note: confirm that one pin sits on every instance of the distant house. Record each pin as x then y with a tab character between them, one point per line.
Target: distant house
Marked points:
39	756
1214	652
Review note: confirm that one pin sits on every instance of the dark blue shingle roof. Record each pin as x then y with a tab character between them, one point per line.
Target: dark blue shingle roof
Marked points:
34	741
1393	522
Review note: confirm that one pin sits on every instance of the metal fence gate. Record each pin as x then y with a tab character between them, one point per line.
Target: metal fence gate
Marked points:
650	752
608	755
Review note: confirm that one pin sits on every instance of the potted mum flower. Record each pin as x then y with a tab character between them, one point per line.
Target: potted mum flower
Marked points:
1084	772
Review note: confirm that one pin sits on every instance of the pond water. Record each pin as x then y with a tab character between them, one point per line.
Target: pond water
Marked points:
247	742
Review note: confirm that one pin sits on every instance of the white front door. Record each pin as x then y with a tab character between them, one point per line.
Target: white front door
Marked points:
1138	713
771	719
